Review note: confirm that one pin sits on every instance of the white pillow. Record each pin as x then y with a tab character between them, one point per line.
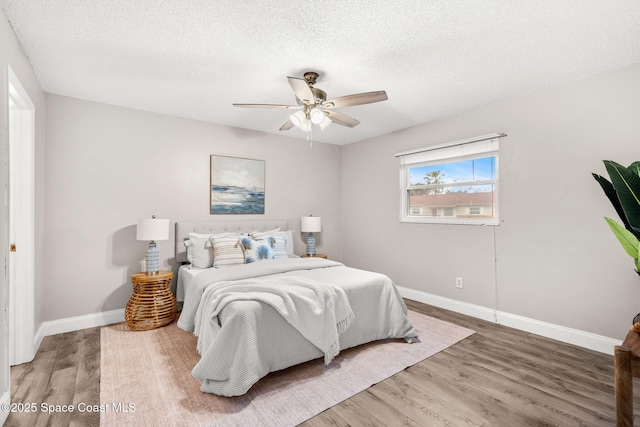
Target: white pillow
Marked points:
227	251
290	244
279	241
199	252
275	230
257	250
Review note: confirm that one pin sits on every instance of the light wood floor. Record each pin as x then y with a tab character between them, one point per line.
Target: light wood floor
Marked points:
497	377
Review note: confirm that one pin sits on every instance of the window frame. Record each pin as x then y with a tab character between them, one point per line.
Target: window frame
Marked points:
473	148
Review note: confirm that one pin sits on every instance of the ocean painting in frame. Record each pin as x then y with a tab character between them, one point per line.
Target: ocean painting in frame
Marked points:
237	185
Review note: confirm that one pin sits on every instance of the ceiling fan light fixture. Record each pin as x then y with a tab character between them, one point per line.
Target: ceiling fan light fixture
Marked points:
325	122
297	118
317	116
313	108
305	126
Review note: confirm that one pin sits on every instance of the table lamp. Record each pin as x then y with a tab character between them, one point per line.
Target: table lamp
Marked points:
311	224
152	229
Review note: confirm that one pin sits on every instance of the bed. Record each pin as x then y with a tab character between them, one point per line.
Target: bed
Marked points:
258	317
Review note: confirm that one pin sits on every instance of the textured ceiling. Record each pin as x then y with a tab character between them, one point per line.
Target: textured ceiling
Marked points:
434	58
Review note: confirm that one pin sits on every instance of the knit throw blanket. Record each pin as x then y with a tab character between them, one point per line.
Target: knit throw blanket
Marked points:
319	311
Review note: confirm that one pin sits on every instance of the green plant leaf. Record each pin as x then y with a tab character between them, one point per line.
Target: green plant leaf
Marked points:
627	185
611	193
628	241
635	167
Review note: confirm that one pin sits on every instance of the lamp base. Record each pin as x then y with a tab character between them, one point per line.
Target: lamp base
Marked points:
151	259
311	245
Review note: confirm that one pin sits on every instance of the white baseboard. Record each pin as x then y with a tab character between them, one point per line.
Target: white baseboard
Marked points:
77	323
4	400
472	310
561	333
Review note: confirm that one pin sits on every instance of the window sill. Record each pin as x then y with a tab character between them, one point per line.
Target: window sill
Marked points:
459	221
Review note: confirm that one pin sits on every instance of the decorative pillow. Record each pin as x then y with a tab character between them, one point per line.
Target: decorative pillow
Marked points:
199	252
279	241
257	250
200	248
227	251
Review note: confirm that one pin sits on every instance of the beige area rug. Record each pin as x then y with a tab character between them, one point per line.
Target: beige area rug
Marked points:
146	378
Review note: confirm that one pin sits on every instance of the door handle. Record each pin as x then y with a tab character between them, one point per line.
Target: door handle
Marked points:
12	247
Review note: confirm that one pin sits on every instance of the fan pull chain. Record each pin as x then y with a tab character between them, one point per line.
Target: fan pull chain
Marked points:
310	137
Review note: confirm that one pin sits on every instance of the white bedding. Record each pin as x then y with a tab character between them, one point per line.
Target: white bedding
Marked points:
250	338
185	276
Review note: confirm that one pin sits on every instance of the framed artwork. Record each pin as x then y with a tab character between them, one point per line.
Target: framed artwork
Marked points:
237	186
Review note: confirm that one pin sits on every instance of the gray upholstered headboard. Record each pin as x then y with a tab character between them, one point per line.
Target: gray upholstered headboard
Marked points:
184	228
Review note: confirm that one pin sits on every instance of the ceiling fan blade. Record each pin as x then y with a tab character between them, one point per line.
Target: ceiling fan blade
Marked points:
356	99
286	126
341	119
301	89
265	106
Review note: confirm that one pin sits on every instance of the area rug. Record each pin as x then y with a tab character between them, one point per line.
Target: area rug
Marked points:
146	378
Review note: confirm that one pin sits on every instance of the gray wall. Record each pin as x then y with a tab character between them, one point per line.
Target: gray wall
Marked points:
11	54
557	261
107	166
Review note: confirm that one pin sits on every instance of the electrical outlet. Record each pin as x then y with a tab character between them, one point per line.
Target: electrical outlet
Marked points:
459	283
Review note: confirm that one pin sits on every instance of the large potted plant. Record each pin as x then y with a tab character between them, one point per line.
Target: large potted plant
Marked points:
624	193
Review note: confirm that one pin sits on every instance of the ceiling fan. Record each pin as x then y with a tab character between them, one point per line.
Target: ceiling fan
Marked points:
314	108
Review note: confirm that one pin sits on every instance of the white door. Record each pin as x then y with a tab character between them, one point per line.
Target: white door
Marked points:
21	265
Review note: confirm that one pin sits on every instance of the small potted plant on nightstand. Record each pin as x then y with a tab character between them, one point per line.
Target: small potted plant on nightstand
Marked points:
624	193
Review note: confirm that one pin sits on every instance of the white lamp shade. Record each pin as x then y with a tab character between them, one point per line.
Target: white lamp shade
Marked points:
152	229
305	126
297	118
311	224
317	116
324	123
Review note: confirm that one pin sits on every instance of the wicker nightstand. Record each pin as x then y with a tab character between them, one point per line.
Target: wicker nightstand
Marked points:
152	304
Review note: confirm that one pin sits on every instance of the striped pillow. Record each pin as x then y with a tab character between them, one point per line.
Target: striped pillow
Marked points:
227	251
279	242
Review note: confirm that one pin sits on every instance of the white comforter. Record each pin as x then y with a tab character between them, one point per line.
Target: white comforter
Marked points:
319	311
248	339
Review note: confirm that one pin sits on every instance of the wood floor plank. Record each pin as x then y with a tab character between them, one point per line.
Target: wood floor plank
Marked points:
418	397
497	377
419	407
463	389
59	397
560	381
354	414
386	413
28	385
531	402
87	385
327	418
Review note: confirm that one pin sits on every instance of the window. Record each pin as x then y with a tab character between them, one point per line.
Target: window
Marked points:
455	183
474	210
